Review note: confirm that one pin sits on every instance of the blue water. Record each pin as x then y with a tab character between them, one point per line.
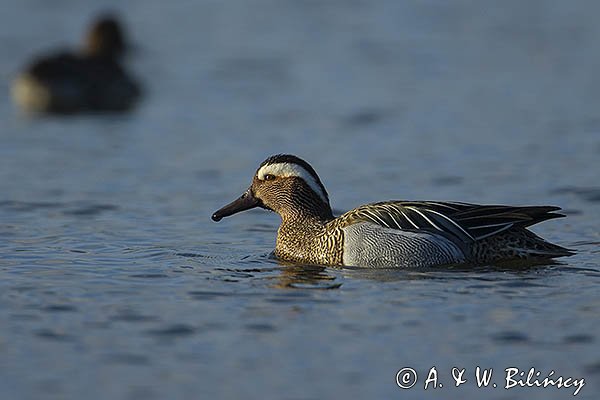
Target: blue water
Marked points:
115	284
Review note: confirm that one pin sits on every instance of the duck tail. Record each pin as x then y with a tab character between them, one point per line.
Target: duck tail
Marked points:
517	243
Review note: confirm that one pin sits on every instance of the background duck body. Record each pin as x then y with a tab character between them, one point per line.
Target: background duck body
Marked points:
68	83
90	80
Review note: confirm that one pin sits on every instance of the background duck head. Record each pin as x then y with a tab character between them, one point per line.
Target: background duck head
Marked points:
105	38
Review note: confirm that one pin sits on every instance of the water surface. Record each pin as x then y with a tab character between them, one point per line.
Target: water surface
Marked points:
116	284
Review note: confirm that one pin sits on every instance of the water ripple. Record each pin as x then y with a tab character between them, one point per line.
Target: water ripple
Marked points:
510	337
175	330
591	194
127	359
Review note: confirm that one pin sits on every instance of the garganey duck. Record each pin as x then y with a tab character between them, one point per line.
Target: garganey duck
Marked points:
387	234
89	80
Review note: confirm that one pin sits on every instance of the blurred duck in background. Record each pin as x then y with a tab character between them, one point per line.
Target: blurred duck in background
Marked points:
90	80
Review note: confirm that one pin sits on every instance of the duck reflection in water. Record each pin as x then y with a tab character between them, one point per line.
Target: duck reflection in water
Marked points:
298	276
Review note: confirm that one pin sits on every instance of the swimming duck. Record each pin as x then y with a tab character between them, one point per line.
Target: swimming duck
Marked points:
89	80
391	233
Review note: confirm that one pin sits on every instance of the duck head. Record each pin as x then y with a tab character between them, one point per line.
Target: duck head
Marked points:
287	185
105	37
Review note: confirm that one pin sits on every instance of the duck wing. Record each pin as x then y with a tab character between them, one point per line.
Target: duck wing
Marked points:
464	221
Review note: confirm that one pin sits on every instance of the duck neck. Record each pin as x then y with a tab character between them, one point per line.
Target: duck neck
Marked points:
304	215
305	237
303	223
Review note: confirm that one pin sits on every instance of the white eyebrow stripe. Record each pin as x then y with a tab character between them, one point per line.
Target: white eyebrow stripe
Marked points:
286	170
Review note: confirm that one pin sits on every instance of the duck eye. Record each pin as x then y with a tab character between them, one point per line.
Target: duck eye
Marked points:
269	177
